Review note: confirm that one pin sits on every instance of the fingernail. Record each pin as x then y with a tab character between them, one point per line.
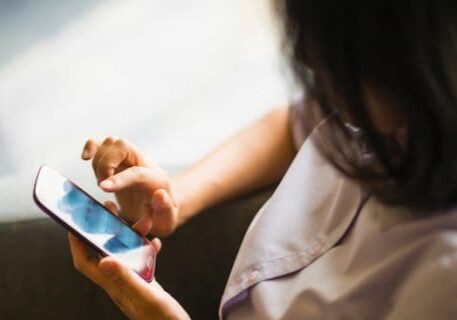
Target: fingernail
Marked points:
106	183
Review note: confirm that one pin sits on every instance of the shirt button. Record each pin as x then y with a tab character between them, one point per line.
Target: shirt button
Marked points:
253	275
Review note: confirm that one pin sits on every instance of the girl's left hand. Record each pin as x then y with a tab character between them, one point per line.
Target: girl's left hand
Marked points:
134	296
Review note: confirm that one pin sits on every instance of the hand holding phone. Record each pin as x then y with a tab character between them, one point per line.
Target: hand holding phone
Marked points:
90	221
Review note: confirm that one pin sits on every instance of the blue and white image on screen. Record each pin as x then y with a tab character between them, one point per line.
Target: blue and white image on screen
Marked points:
92	218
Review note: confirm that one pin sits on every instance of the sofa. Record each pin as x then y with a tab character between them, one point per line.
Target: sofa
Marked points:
38	280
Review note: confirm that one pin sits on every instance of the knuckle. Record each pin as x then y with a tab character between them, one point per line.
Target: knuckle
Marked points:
119	282
109	140
138	171
106	168
162	173
115	179
122	143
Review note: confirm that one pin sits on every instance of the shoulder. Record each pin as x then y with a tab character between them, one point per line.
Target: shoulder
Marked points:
430	290
301	120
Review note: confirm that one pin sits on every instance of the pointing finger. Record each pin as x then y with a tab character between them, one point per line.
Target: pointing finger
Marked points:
152	177
89	150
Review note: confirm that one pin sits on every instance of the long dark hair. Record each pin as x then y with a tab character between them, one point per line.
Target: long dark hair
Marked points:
402	51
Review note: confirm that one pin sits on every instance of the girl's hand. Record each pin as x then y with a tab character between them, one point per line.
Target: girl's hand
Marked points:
143	190
135	297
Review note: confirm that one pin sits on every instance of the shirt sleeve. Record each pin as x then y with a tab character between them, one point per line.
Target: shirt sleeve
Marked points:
431	290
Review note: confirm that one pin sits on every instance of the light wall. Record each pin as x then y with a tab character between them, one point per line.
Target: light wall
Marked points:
176	77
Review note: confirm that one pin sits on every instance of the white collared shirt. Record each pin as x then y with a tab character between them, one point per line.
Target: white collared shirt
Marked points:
319	249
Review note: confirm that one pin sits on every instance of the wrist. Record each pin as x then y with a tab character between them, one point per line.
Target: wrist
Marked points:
192	194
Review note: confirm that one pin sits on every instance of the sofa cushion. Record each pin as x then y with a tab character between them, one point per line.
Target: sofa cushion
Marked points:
39	282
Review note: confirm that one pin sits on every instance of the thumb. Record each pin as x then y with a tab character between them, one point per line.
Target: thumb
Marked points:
121	277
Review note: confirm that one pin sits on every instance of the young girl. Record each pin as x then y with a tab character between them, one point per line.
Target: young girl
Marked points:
363	224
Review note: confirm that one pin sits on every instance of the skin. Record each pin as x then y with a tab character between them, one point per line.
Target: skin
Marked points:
136	298
255	157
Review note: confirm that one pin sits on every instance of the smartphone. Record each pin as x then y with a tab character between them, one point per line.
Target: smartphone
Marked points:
89	220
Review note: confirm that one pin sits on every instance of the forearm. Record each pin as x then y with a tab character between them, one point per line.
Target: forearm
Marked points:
255	157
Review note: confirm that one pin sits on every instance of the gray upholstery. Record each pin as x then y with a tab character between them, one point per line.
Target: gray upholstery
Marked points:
38	280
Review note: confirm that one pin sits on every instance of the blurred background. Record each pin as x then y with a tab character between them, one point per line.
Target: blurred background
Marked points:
175	77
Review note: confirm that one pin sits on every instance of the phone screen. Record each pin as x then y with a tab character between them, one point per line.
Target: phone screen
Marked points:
88	219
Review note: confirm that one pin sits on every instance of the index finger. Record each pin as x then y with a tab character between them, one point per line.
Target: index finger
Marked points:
90	149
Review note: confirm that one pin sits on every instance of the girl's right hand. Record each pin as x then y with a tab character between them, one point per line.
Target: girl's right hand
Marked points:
144	191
